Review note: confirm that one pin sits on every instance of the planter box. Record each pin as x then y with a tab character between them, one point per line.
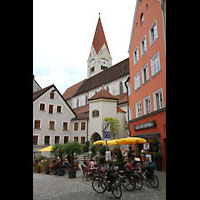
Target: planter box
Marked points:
60	172
72	173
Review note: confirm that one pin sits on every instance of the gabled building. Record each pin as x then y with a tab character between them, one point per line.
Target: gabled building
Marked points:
51	119
147	65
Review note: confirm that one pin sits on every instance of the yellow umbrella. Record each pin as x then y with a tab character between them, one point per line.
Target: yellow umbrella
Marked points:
49	148
109	143
99	142
131	140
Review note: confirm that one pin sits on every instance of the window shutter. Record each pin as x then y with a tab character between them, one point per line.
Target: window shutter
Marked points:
152	67
142	75
137	54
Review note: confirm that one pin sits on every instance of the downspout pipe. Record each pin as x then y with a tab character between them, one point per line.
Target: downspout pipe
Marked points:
128	103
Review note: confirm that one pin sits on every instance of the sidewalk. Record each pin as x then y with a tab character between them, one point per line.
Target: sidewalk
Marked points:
52	187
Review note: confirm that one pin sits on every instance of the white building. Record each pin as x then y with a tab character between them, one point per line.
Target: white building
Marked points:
52	119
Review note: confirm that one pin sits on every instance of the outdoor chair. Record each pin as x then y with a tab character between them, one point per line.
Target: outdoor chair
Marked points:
86	173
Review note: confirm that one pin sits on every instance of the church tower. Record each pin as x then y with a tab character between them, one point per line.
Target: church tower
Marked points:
99	57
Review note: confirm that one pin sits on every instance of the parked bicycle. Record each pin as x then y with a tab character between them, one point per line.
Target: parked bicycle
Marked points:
109	181
148	174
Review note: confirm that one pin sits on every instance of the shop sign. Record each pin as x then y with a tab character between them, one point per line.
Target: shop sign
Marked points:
151	124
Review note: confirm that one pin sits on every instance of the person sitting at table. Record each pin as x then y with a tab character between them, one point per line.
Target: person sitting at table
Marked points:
92	164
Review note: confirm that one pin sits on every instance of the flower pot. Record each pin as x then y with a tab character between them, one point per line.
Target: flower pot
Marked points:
60	172
72	173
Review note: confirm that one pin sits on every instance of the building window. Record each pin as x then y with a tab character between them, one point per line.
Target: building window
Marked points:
51	109
145	74
158	99
66	139
153	34
137	80
104	65
59	109
86	99
91	69
141	18
52	125
35	140
143	45
42	106
120	87
46	140
130	113
82	126
155	64
136	55
147	105
57	139
37	124
75	139
76	126
82	140
52	95
107	88
138	109
95	113
65	125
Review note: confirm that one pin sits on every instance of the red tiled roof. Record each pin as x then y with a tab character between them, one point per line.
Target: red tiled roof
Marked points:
99	37
69	92
120	110
103	94
122	98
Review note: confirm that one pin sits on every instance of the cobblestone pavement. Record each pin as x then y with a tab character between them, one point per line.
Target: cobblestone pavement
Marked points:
52	187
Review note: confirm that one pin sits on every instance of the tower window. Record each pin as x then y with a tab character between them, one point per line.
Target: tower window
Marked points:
91	69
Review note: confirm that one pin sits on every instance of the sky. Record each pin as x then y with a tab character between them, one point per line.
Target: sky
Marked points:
63	32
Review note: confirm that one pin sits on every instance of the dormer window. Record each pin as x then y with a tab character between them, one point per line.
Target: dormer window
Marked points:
51	95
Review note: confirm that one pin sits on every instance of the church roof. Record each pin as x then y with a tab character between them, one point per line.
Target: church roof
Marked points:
112	73
71	91
99	37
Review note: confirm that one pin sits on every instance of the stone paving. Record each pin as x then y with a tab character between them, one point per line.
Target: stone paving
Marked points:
53	187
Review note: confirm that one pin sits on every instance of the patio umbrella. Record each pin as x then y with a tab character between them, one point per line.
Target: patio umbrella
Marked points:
49	148
109	143
130	140
98	142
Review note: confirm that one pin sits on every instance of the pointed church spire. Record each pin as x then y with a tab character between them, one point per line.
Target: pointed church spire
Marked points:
99	37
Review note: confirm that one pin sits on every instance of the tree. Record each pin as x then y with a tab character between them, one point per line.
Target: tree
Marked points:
59	151
114	126
70	149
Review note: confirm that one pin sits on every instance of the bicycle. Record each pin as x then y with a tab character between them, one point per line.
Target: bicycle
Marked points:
148	174
107	181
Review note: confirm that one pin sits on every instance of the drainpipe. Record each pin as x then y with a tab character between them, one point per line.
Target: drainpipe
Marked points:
128	103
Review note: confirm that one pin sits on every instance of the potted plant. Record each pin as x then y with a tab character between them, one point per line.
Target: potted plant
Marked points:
70	149
157	157
38	168
46	167
59	151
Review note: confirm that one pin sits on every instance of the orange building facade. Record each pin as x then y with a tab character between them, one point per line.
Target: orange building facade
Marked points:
147	83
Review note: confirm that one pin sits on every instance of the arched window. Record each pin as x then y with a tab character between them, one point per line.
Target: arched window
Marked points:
95	113
107	88
77	103
121	87
86	99
141	18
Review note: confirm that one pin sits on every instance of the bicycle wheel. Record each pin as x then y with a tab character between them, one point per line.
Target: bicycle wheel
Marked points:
154	181
98	185
116	191
138	182
128	184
